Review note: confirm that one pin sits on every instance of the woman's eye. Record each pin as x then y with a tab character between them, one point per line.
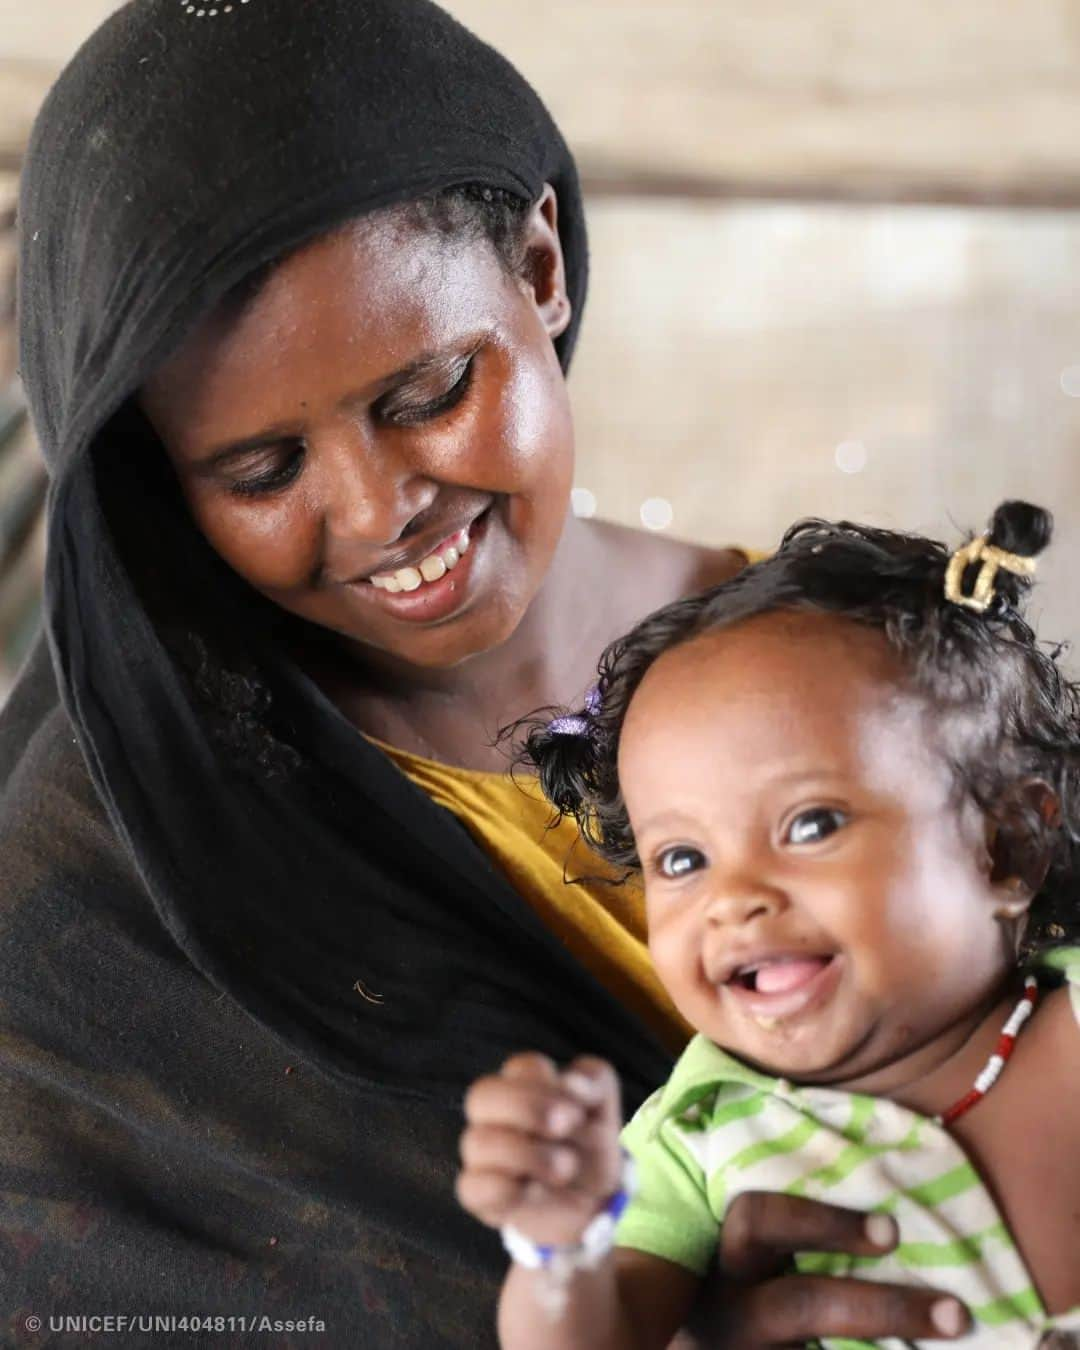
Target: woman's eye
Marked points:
810	827
405	414
679	862
278	477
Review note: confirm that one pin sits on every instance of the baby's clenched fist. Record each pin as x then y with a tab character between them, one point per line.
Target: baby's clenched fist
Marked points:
541	1148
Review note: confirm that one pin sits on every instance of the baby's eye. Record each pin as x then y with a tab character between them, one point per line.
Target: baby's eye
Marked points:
679	862
811	827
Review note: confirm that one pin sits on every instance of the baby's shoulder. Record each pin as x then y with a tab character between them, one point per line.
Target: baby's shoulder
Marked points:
1038	1099
685	1115
1026	1145
1058	1034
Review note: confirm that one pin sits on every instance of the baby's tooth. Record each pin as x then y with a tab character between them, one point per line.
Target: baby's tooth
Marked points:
431	569
391	584
409	579
461	541
451	557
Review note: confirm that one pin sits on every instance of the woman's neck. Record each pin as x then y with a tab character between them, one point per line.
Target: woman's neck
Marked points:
602	579
537	662
453	714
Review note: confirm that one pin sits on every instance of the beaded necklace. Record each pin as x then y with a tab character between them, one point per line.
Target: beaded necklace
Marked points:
991	1071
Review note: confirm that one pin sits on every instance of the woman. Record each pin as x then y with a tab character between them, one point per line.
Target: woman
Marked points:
298	288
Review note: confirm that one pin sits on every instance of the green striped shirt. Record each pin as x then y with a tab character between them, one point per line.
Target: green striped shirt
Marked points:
718	1128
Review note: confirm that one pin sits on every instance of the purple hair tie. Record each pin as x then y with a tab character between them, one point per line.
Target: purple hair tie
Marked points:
569	726
578	726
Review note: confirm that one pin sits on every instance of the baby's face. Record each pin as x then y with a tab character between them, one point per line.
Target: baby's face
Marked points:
819	899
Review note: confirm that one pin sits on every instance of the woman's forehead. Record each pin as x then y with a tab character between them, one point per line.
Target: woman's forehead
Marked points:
377	293
370	255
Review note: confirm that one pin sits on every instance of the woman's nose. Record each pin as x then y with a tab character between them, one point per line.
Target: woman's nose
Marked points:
369	493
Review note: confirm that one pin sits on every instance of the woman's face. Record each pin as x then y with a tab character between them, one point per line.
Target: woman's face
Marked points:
380	440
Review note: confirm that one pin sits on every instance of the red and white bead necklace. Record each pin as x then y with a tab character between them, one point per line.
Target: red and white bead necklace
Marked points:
992	1069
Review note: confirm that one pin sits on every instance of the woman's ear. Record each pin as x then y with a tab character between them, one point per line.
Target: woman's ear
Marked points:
544	271
1021	845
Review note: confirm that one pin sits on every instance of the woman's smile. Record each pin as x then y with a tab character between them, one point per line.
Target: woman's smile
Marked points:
441	584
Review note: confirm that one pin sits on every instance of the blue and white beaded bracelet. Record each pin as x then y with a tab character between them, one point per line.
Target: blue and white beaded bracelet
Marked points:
558	1263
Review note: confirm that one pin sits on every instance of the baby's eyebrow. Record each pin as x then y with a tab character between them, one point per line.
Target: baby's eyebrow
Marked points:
817	774
666	820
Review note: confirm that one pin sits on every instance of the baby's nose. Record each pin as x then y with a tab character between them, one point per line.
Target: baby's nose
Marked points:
741	901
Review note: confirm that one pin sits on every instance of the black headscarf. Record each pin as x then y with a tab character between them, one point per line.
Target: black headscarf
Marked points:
240	1009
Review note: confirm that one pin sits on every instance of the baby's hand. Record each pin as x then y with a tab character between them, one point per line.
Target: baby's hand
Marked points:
541	1150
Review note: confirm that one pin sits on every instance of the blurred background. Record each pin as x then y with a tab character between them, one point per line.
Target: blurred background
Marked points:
836	263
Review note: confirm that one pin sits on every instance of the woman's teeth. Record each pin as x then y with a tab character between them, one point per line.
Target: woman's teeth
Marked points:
436	565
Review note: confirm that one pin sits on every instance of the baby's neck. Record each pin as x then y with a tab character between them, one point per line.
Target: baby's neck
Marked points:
937	1073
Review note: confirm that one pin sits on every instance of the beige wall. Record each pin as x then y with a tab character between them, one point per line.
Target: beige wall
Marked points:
886	96
51	30
893	96
750	360
738	358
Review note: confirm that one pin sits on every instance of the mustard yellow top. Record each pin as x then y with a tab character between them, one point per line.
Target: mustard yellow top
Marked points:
602	924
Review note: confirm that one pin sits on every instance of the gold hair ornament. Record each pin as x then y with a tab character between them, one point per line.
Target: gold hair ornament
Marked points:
992	558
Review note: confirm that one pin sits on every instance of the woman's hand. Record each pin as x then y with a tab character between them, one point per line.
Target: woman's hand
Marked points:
753	1304
541	1149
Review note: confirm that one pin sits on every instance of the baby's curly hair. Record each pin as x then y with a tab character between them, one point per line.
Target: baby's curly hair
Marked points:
1026	722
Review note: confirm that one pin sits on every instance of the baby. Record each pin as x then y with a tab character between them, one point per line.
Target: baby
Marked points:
849	778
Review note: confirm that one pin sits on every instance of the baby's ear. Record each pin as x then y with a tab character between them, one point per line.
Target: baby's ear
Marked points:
1021	843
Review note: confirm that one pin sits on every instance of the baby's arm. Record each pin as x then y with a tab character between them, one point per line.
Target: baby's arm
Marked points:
632	1301
541	1152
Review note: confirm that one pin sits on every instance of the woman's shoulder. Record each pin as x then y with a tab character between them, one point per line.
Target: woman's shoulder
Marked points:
712	566
679	566
54	829
39	754
31	704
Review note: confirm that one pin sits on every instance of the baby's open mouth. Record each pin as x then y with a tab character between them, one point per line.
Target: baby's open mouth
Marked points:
778	974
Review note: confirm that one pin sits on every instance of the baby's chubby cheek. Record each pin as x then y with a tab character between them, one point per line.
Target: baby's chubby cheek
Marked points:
894	988
676	958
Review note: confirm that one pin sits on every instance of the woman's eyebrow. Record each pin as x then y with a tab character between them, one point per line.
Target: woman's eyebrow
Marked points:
220	455
216	458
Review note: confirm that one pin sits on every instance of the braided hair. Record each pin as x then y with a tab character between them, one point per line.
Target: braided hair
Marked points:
1021	713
